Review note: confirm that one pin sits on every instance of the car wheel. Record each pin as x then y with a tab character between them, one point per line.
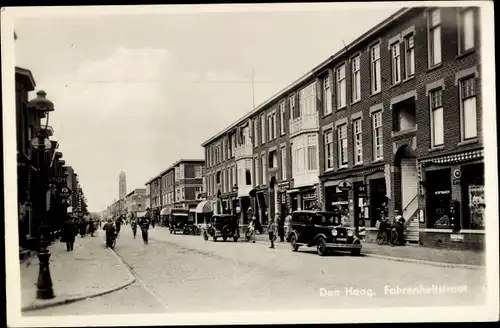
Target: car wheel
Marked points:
205	235
356	252
321	246
293	243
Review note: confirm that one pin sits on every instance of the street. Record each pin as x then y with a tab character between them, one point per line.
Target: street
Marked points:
177	273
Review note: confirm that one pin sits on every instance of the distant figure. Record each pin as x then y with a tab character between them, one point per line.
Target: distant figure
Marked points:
69	233
281	226
110	232
288	225
144	224
271	228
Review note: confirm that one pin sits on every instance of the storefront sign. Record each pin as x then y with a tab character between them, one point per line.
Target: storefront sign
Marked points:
457	174
340	203
344	186
442	192
362	190
65	192
457	238
456	181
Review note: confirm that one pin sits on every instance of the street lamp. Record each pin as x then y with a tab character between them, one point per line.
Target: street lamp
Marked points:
41	143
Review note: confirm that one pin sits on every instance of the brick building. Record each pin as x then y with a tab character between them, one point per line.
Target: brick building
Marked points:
392	92
167	190
136	200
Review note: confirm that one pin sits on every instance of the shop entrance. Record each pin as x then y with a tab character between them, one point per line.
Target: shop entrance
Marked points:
378	199
406	182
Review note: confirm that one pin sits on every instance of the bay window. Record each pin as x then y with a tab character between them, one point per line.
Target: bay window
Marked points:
307	100
312	146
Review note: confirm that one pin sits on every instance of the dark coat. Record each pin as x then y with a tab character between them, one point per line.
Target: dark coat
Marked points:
69	231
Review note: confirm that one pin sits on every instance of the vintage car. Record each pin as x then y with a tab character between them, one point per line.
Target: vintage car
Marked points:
179	221
323	230
222	225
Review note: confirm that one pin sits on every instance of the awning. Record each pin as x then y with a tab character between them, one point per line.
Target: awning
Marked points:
455	158
164	211
204	207
192	210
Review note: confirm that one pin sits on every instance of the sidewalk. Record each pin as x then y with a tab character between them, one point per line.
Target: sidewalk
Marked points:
442	257
90	270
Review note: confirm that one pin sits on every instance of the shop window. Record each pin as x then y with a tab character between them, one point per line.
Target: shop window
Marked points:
438	198
378	200
472	183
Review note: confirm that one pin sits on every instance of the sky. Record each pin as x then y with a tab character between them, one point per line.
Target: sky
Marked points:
137	92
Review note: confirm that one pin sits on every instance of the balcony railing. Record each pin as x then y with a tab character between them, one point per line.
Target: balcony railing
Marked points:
304	123
243	151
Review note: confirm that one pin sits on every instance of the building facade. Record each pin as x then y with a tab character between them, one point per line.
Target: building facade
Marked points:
167	190
136	200
383	138
364	131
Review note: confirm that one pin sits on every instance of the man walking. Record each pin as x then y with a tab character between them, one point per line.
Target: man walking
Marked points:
281	226
271	228
110	232
144	224
69	233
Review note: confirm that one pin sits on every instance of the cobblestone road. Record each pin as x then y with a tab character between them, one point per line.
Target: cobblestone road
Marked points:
185	273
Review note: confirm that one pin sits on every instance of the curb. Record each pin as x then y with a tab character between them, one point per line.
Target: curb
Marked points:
403	259
76	298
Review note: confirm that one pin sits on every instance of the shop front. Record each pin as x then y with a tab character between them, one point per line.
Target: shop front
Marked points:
454	204
305	198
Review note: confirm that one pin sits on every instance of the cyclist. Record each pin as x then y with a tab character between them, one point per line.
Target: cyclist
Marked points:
398	224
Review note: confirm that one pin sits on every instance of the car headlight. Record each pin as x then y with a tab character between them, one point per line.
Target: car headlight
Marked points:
350	233
334	232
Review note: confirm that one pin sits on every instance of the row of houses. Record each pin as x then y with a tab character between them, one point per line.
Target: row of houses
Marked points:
181	185
133	202
47	188
393	120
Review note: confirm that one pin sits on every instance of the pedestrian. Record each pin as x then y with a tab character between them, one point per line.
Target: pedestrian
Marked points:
144	224
288	224
69	233
153	222
133	224
119	222
110	232
251	227
271	229
281	226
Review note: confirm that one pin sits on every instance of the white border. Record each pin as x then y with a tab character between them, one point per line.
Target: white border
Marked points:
452	314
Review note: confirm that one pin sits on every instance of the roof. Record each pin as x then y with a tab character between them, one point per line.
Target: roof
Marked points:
312	72
27	77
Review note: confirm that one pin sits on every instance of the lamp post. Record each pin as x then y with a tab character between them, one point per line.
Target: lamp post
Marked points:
41	144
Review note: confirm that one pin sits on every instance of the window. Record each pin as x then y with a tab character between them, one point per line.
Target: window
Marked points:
466	32
257	171
375	68
328	136
233	144
198	171
341	87
342	144
469	119
307	100
377	136
271	121
437	123
356	78
273	159
396	63
255	132
223	149
409	56
293	112
218	177
434	21
327	95
222	181
263	166
235	179
282	118
358	141
283	163
312	142
248	177
263	129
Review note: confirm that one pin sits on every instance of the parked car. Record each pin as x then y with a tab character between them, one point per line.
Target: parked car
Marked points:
179	220
323	230
223	225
